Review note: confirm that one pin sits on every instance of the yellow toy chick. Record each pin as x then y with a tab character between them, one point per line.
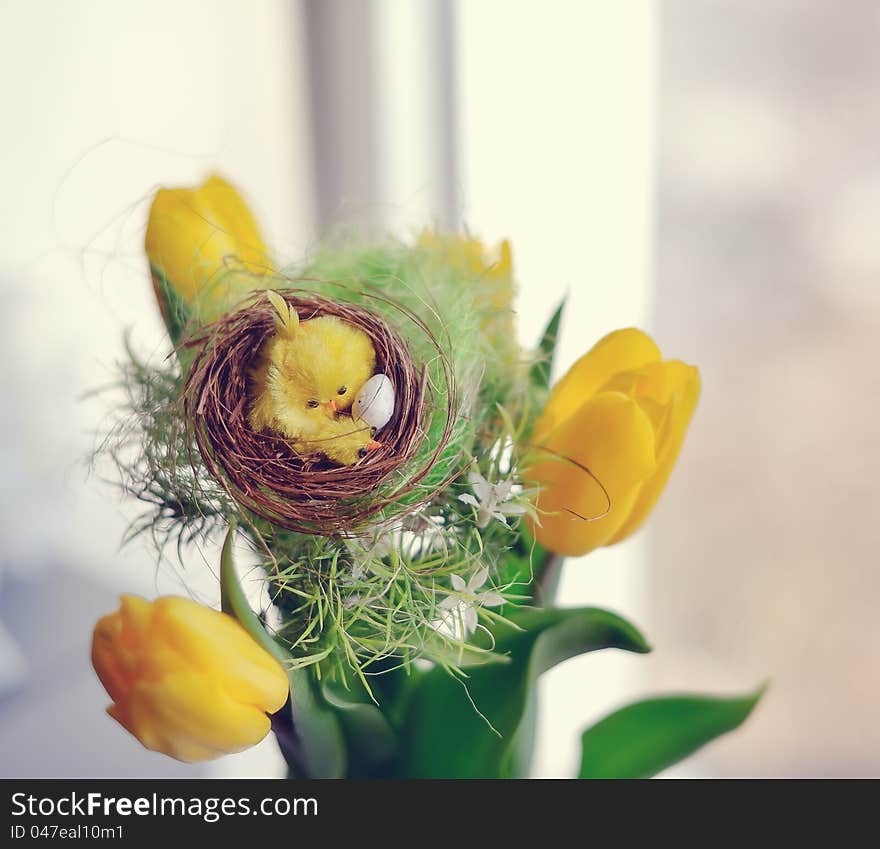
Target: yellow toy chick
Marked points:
309	372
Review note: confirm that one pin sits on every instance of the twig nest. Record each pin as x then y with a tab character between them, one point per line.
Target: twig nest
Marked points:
261	472
374	404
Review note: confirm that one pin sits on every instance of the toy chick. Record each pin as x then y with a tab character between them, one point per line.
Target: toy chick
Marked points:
308	373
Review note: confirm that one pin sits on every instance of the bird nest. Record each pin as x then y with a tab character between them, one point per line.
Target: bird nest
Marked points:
260	471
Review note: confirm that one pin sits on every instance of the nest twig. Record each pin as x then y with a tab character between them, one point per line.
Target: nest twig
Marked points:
260	471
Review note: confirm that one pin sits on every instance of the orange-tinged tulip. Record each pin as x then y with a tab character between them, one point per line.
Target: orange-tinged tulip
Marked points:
185	679
607	441
206	244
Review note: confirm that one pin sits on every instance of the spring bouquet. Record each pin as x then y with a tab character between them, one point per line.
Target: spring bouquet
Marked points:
365	431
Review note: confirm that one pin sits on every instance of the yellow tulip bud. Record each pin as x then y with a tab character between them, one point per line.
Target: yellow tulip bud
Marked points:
186	680
470	256
607	441
491	270
206	244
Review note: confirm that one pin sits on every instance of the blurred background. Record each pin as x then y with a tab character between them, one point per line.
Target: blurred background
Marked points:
706	169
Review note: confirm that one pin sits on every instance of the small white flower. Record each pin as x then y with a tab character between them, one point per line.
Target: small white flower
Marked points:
492	500
462	606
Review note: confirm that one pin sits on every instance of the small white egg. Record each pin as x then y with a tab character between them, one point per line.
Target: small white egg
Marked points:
375	402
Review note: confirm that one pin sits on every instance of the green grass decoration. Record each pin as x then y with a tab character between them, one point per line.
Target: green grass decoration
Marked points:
349	604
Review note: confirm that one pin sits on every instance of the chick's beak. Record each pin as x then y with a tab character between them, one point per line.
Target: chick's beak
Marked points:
331	406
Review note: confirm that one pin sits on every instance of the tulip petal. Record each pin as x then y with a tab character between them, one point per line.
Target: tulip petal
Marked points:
223	198
675	387
504	266
114	665
158	657
136	616
214	642
612	437
189	717
622	350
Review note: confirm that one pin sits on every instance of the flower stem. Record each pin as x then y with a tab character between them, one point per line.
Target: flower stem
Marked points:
289	743
547	579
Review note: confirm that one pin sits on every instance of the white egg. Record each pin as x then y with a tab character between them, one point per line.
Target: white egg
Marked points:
375	402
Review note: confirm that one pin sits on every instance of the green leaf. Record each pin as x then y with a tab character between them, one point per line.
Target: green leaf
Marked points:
477	726
316	726
644	738
543	365
372	743
173	307
234	602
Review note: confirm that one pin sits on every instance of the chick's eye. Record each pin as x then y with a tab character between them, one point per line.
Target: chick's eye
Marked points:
342	390
312	403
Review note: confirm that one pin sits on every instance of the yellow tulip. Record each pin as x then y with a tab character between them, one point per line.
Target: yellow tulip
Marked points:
470	256
186	680
492	271
207	246
607	441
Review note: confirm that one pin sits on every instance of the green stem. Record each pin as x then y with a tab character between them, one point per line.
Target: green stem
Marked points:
547	579
307	730
289	744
